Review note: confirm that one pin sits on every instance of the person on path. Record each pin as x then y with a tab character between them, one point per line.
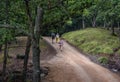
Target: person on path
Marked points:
53	36
61	42
57	38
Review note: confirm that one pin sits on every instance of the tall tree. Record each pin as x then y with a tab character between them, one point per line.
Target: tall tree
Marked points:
6	46
35	45
35	36
27	51
29	39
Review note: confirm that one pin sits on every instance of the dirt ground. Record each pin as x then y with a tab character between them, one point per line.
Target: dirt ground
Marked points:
15	66
66	66
71	66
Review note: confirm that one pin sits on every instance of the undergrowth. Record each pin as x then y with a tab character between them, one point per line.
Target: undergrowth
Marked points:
93	40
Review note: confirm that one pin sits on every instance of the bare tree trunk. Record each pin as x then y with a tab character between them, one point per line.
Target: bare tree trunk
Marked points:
112	28
119	30
6	46
29	39
0	47
83	22
35	46
27	51
35	35
107	26
94	21
5	61
104	24
118	25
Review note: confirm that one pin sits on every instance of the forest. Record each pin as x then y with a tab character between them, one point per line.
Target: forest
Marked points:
90	26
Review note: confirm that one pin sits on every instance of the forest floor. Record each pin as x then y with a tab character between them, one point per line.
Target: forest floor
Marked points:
66	66
15	64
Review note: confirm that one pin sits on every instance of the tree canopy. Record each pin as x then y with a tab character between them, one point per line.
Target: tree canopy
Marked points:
63	15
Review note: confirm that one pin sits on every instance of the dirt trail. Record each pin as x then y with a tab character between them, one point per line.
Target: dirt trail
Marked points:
71	66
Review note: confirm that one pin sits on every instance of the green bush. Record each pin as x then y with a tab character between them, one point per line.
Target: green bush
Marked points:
108	50
118	52
103	60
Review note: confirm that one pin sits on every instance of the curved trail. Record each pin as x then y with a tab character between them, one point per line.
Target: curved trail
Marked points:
71	66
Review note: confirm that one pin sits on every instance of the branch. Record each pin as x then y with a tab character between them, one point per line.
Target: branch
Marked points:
8	26
57	4
28	12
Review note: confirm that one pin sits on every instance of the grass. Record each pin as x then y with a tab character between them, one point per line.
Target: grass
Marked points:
93	40
103	60
118	52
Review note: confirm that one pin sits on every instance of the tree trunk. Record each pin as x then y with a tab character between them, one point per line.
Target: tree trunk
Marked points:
4	62
104	24
5	49
27	51
83	22
35	46
35	35
112	28
118	26
113	31
28	45
94	21
0	47
108	26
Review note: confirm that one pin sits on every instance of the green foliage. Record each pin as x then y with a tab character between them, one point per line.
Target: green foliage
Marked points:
86	12
103	60
118	52
93	40
61	16
69	22
6	35
108	50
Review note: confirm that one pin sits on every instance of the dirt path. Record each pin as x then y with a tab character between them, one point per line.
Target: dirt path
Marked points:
71	66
